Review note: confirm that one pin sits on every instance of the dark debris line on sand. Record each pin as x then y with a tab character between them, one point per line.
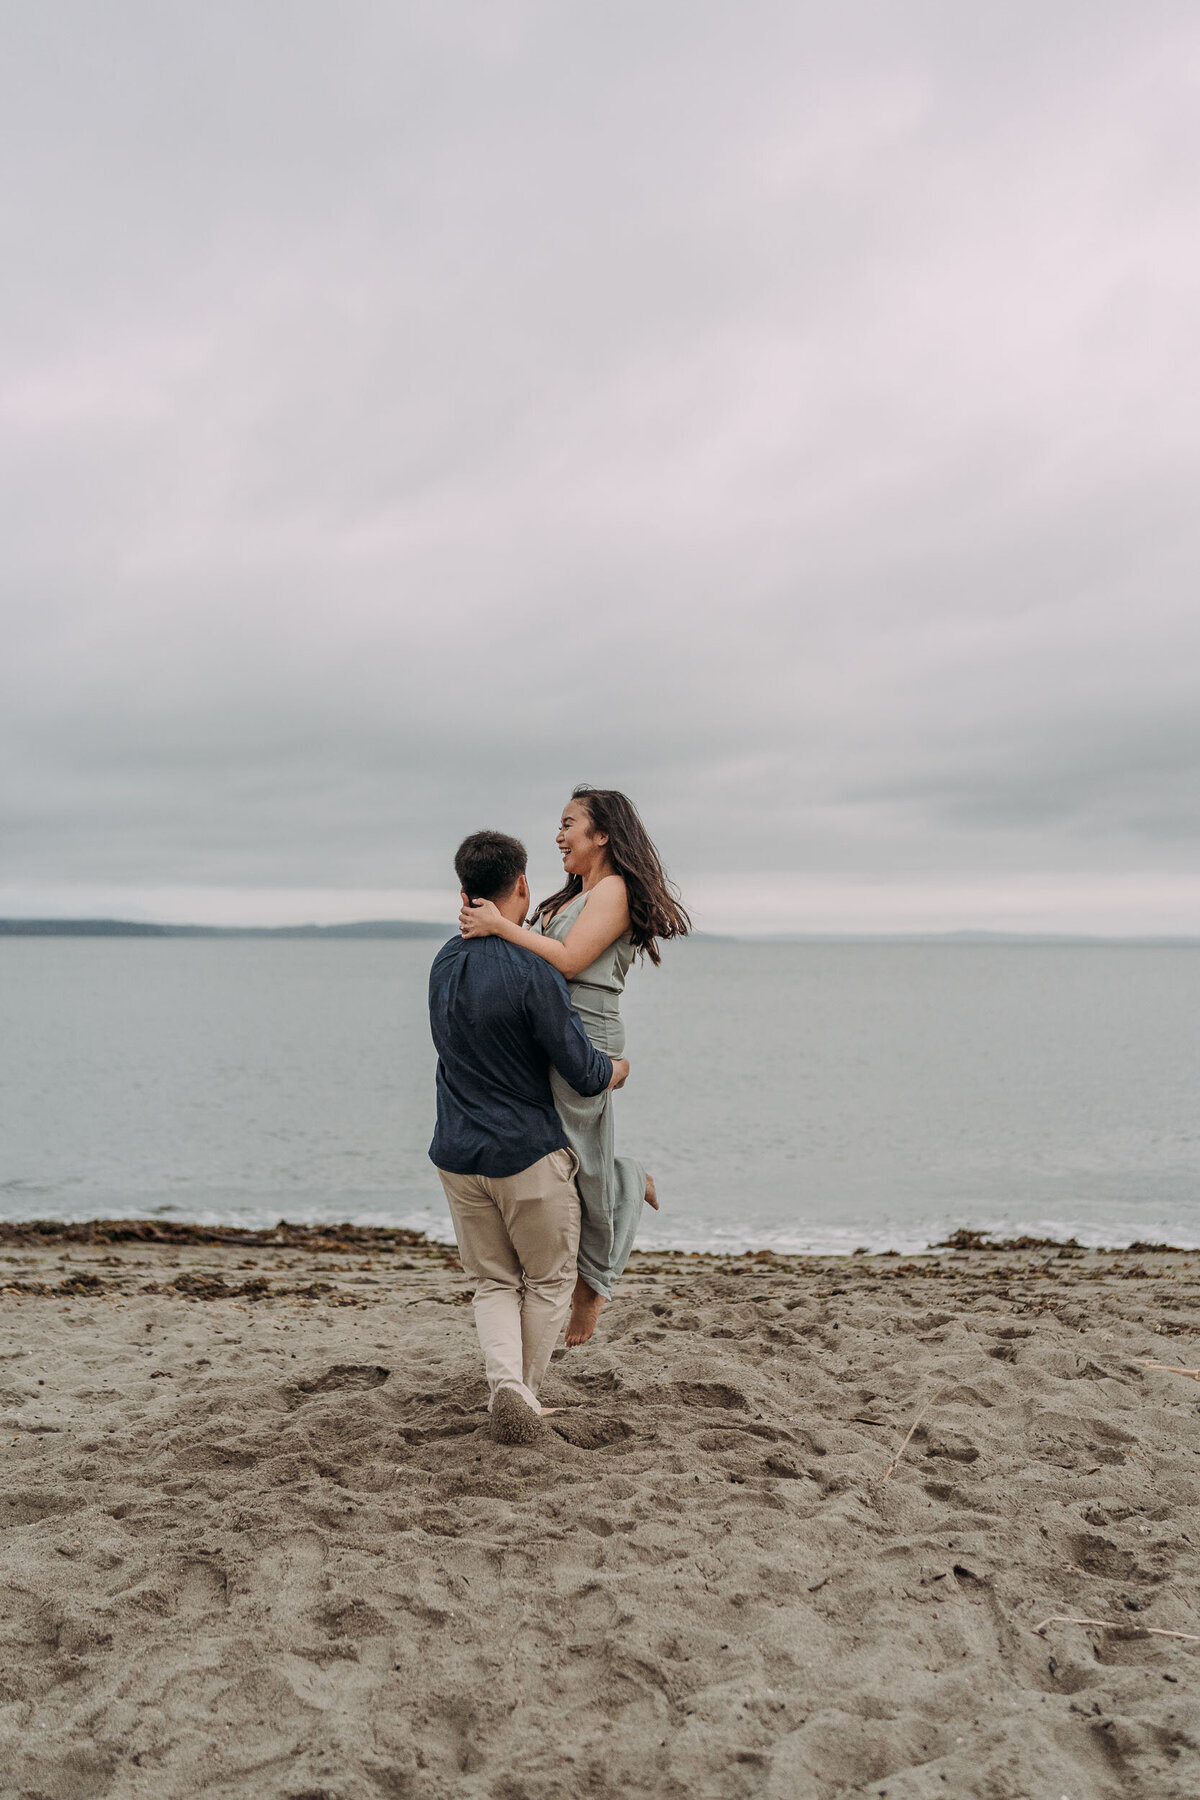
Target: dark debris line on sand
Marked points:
152	1234
41	1233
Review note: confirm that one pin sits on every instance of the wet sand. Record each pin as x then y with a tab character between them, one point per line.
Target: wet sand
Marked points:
256	1540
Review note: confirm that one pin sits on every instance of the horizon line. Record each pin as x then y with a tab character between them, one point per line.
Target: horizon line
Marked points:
425	928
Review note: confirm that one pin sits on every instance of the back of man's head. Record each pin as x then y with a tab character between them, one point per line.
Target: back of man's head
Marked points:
489	864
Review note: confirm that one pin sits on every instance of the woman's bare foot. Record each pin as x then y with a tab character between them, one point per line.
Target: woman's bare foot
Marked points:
651	1193
585	1310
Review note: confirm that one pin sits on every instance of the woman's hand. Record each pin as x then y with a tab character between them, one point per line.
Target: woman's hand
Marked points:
480	918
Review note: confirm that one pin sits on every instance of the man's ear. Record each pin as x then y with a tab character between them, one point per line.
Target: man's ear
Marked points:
464	896
522	887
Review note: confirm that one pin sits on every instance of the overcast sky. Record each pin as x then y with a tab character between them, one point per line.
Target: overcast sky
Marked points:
789	413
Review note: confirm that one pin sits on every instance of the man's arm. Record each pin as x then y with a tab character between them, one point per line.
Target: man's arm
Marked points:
603	919
556	1026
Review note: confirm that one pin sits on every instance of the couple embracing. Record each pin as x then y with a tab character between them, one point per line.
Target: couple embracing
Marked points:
527	1025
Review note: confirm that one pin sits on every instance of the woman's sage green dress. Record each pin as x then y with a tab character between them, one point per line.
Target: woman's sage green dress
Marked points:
612	1188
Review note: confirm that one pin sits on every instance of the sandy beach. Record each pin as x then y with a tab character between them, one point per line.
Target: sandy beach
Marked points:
257	1540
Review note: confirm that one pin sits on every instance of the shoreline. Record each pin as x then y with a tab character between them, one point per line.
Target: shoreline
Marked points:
815	1528
383	1239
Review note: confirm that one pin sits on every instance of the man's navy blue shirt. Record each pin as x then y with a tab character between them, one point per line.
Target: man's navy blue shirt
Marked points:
500	1016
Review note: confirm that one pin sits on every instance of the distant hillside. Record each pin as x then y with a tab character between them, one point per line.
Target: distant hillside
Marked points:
130	928
426	928
968	938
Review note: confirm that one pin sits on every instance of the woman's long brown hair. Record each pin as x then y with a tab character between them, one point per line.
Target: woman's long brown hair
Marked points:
654	906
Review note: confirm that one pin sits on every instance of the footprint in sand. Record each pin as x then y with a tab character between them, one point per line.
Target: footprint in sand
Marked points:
952	1445
949	1495
293	1561
598	1381
346	1376
1100	1556
29	1619
590	1611
202	1587
349	1617
591	1431
78	1774
31	1508
711	1393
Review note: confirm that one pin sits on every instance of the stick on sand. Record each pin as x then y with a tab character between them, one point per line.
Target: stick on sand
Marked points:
1170	1368
907	1437
1188	1637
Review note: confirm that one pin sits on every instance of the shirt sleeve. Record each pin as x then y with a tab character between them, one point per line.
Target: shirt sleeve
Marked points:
558	1029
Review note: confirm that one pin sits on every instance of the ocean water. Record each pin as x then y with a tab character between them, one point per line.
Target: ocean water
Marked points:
798	1096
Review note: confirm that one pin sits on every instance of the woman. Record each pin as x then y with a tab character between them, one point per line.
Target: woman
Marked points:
615	902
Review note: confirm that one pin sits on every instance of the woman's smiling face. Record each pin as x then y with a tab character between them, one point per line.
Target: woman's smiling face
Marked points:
577	846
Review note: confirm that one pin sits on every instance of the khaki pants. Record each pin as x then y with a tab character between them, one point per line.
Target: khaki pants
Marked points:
518	1236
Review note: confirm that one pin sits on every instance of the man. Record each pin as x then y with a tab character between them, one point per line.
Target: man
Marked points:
500	1018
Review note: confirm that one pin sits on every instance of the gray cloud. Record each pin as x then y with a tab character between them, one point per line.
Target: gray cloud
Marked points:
785	413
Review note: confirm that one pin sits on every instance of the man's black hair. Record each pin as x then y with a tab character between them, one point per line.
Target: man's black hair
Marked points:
487	864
